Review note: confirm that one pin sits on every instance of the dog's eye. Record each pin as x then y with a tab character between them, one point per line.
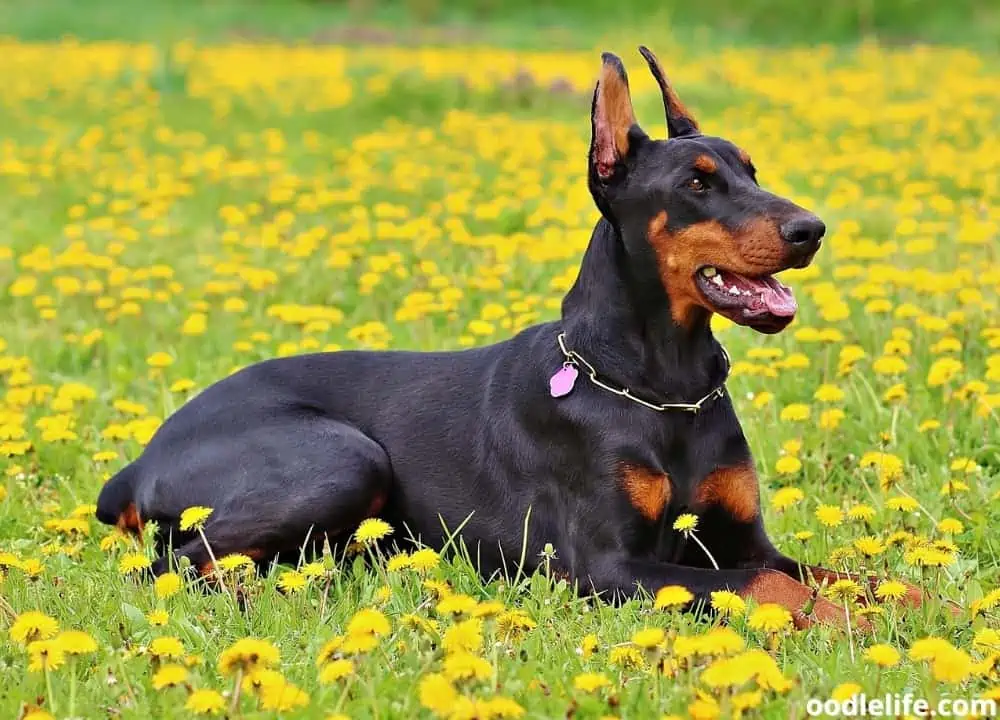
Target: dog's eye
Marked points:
697	185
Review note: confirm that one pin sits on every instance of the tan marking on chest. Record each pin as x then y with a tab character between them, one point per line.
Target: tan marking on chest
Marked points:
733	488
647	490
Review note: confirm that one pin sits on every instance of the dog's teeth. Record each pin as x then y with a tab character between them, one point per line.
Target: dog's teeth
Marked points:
734	291
709	272
717	280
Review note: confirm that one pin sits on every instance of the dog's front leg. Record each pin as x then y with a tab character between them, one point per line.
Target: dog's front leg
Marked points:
621	577
817	576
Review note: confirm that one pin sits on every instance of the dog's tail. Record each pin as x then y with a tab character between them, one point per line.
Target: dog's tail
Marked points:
116	503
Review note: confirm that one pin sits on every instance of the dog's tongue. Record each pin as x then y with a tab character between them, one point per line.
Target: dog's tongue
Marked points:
777	298
764	294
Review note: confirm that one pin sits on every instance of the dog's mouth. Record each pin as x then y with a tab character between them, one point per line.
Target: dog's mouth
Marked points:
761	302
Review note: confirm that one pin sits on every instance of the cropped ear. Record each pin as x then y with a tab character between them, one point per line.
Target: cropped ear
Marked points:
611	119
680	122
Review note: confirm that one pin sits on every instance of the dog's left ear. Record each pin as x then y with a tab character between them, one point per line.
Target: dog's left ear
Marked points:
680	122
612	120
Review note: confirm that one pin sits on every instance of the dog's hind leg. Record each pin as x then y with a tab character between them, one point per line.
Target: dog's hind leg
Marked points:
326	478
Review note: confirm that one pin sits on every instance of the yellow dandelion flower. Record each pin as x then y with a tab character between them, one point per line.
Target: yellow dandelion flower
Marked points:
590	682
514	622
193	518
829	515
205	702
166	647
133	563
167	585
671	596
169	676
786	497
456	604
902	503
770	617
951	526
845	691
627	656
359	644
291	581
466	635
648	638
329	650
233	562
869	546
157	618
728	604
952	665
282	697
248	654
788	465
466	666
31	626
76	642
929	648
861	512
488	609
844	590
159	360
368	621
45	655
437	694
796	412
371	530
883	655
424	559
335	670
686	523
398	562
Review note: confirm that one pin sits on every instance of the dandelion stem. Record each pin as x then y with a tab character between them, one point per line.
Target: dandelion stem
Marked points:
72	687
215	563
234	704
850	633
694	536
48	690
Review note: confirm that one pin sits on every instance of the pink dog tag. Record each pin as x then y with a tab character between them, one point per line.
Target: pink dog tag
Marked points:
563	381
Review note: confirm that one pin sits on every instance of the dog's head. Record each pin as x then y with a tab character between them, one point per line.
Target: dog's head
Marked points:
691	205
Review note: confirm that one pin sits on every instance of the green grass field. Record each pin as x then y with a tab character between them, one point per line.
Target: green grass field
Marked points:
173	210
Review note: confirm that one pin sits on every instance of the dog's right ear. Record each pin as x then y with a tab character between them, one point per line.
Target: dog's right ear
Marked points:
680	121
612	120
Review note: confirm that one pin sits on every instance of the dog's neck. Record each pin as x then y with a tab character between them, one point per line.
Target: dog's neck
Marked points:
622	325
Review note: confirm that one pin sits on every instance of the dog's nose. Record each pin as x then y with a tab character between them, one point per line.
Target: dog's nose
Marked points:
804	231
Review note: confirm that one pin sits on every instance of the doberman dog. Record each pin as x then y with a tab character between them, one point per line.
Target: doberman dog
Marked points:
599	428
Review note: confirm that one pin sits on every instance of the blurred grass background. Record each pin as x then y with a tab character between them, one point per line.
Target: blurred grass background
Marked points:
537	23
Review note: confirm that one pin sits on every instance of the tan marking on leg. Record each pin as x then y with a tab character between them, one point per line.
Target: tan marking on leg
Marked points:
771	586
733	488
647	490
816	575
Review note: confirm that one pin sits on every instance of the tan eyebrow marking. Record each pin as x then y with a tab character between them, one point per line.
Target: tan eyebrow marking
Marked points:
705	164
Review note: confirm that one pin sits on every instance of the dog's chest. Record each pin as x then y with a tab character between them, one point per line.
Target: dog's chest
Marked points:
710	471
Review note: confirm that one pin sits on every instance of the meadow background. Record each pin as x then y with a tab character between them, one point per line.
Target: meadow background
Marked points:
188	187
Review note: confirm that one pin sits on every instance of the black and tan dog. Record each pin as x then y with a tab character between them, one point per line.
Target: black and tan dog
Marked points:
307	447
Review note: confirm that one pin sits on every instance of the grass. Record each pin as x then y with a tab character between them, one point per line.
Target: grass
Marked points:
172	212
515	23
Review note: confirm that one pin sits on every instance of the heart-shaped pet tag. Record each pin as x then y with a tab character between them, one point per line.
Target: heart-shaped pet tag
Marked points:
563	381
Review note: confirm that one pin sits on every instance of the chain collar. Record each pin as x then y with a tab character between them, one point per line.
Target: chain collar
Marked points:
574	359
